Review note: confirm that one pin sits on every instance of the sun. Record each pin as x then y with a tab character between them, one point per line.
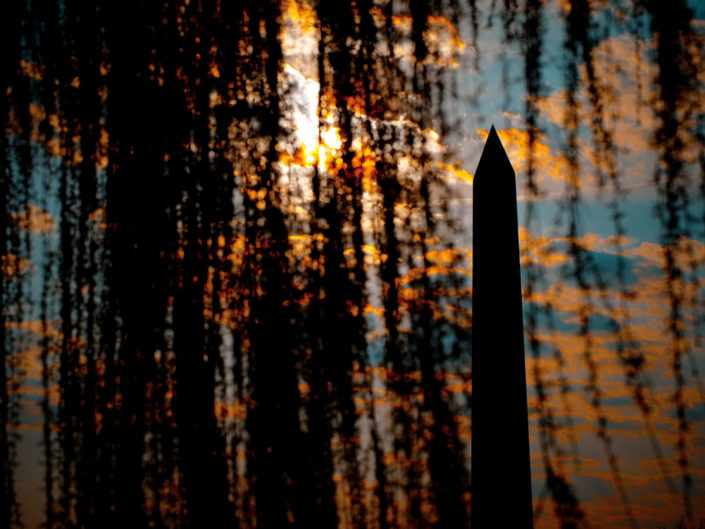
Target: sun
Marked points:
319	153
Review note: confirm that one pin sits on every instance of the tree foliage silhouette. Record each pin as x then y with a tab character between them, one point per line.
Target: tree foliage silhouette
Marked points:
221	305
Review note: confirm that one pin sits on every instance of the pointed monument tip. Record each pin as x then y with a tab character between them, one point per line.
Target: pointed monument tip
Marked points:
493	137
493	154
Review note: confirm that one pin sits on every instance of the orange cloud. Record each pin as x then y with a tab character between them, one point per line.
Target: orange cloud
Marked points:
14	265
32	70
629	104
456	171
441	37
34	219
546	163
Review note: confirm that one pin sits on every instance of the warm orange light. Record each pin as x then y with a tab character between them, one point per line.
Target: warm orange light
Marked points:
321	154
520	149
455	170
331	138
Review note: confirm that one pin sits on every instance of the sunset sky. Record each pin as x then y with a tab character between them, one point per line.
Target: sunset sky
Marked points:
596	290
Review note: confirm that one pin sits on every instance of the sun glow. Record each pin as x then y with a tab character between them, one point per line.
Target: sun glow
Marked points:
321	153
331	138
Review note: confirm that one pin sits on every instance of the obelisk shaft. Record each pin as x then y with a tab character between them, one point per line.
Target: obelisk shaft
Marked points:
501	474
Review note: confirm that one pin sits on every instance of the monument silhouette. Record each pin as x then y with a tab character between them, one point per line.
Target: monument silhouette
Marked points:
501	473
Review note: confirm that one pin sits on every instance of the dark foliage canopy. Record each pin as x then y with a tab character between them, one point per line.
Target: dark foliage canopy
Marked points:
228	240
